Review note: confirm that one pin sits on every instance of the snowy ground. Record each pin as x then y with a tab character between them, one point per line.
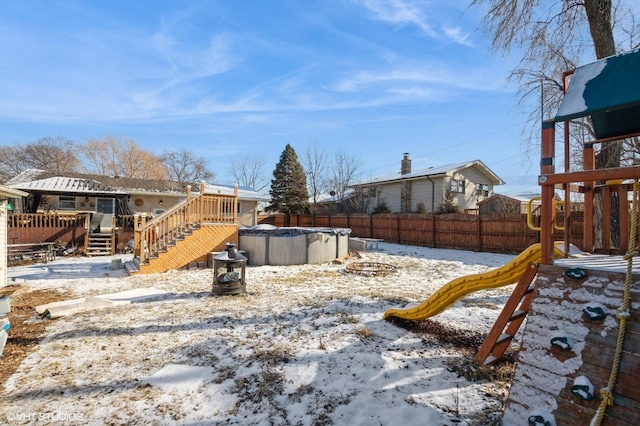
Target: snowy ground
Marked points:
306	345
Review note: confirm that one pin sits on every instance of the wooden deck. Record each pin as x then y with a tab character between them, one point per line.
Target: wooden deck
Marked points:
548	376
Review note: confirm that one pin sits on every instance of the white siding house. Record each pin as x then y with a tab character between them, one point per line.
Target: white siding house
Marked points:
5	195
424	190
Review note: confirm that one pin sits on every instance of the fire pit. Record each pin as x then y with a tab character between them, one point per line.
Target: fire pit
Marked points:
370	268
229	271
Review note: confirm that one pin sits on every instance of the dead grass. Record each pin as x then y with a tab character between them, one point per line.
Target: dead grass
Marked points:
24	335
468	342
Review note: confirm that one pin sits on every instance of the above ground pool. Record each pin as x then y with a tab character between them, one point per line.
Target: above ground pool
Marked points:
272	245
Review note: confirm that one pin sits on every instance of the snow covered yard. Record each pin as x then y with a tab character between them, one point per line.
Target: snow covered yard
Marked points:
305	345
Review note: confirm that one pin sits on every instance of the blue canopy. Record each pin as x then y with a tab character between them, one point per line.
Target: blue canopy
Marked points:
608	90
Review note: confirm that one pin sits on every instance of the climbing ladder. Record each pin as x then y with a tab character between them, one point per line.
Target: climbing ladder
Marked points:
509	320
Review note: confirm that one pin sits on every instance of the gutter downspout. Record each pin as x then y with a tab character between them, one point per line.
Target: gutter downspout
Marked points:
433	193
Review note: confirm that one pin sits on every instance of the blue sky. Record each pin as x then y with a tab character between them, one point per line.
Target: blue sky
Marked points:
228	79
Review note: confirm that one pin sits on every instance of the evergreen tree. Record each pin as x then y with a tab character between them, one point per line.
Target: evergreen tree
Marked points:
448	204
289	185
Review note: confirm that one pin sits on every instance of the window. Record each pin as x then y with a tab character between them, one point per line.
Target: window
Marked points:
66	203
457	186
482	189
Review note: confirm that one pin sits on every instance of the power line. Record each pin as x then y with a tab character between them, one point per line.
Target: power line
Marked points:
460	144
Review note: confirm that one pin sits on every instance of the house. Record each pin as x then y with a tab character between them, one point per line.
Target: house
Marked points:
248	201
113	195
331	203
424	190
5	195
499	203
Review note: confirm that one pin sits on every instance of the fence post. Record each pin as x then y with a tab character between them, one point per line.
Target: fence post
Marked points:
370	226
479	234
433	230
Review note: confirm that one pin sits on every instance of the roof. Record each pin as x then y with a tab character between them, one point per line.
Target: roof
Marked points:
43	180
608	90
11	193
517	198
244	192
46	181
335	198
440	171
66	184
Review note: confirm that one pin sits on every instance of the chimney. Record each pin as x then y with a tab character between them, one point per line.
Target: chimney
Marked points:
405	166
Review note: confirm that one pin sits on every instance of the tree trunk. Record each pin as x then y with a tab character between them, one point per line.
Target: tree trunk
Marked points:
599	17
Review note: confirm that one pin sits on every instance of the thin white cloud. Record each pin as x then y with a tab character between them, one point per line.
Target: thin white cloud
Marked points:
189	61
398	12
413	13
162	70
425	74
457	35
413	92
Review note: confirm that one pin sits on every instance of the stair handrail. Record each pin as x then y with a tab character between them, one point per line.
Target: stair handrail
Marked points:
153	236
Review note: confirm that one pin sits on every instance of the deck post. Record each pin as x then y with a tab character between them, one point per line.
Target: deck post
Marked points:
201	218
235	203
547	208
139	240
589	162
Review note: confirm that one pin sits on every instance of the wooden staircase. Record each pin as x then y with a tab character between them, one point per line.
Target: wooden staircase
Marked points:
100	244
509	320
184	234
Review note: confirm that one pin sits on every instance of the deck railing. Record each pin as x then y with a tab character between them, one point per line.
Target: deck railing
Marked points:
26	228
153	236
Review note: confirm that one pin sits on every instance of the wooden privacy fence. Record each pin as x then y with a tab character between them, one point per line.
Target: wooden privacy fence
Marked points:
497	233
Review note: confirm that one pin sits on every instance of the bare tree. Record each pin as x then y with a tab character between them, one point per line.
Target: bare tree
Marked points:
53	154
315	163
249	172
11	163
364	198
118	157
554	37
344	172
184	166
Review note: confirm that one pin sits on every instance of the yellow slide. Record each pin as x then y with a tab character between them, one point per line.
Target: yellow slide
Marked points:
456	289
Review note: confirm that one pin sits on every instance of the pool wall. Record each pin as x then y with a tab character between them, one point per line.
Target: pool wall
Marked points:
293	246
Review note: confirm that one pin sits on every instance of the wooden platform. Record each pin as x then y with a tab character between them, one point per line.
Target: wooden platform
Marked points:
546	373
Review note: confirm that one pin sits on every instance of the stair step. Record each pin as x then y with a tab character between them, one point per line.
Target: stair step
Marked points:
517	315
503	338
490	360
132	266
509	320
